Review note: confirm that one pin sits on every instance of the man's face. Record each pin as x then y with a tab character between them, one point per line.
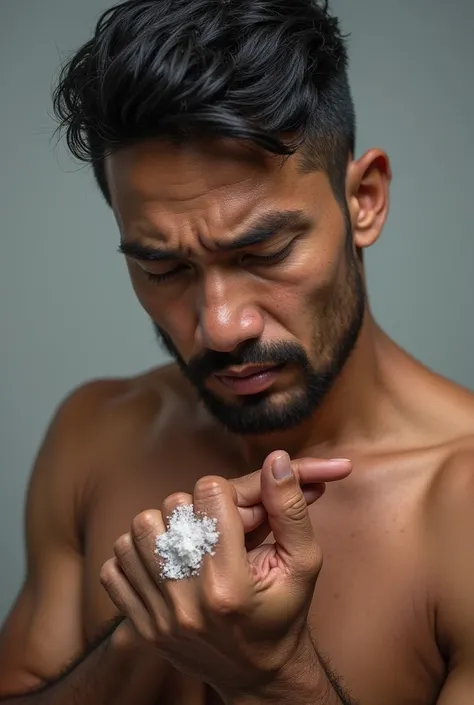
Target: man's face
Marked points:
247	269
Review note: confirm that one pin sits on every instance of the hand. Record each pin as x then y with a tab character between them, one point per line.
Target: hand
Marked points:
312	474
240	622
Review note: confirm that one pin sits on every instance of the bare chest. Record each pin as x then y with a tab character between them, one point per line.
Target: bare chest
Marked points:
370	614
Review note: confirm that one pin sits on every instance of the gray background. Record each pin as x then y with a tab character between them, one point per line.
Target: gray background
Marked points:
67	310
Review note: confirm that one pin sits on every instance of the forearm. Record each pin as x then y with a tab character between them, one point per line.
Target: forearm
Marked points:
113	673
308	681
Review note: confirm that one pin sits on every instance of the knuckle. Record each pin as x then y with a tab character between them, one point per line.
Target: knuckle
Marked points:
163	631
145	524
242	488
223	602
244	480
175	500
123	545
147	631
226	604
208	487
295	506
187	622
108	573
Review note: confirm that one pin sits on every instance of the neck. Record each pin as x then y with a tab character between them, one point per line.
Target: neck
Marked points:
355	408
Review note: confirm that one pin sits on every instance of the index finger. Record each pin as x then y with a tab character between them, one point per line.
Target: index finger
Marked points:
308	470
214	497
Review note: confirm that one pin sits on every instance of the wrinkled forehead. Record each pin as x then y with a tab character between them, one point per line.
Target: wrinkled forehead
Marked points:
223	182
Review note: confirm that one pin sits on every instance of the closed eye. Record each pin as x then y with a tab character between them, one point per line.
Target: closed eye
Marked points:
257	260
162	277
273	258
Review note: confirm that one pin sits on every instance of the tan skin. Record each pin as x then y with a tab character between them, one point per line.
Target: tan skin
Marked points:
392	606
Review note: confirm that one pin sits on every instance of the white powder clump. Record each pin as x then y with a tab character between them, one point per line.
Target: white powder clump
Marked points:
184	545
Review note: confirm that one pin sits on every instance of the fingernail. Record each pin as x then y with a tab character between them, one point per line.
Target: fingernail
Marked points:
340	461
281	467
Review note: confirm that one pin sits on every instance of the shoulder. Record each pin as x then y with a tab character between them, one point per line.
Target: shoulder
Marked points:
110	426
450	498
119	402
94	425
447	410
451	490
450	538
454	479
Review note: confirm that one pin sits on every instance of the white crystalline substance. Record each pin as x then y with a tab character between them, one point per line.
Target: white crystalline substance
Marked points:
184	545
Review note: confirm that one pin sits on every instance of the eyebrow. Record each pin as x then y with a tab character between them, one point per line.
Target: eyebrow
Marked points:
266	227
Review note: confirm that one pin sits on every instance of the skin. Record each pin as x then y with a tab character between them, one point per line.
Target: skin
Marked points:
388	546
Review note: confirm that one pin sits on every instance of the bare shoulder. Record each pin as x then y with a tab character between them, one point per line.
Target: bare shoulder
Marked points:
450	536
99	418
146	424
151	389
123	404
452	406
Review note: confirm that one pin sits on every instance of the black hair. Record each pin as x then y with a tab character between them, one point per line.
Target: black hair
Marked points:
273	72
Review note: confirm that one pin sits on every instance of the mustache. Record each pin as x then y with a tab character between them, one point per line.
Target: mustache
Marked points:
250	353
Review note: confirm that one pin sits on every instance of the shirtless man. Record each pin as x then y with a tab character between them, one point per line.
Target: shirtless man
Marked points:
250	267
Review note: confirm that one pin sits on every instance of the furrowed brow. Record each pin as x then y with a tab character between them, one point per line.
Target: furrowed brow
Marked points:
268	226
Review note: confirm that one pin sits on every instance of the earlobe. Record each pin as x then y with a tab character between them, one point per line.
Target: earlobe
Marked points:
368	184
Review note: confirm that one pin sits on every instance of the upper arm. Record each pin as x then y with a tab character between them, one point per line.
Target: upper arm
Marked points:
43	631
452	559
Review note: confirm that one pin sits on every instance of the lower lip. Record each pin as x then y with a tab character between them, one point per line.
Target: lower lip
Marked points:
253	384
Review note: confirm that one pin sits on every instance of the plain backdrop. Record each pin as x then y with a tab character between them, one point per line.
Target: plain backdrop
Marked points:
67	310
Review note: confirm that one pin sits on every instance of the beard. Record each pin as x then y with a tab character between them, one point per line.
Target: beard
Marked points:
334	338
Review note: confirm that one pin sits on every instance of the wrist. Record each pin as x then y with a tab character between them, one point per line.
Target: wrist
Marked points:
298	682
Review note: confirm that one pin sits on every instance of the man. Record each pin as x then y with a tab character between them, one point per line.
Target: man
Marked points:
222	136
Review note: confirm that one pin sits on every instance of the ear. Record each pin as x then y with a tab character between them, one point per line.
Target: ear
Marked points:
368	183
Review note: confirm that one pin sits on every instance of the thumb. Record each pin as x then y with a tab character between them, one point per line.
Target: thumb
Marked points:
287	510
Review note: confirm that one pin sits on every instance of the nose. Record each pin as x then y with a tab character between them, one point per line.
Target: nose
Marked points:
226	315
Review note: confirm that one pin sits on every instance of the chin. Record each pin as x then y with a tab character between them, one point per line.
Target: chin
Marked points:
261	415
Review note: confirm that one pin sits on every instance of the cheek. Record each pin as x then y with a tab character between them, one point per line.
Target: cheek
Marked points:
302	299
315	280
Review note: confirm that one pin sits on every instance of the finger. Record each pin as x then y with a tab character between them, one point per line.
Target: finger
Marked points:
125	599
260	533
258	536
176	597
138	576
313	493
309	471
253	517
214	497
179	594
174	500
146	527
288	514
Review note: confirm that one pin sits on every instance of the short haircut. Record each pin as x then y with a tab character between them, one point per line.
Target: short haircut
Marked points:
272	72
